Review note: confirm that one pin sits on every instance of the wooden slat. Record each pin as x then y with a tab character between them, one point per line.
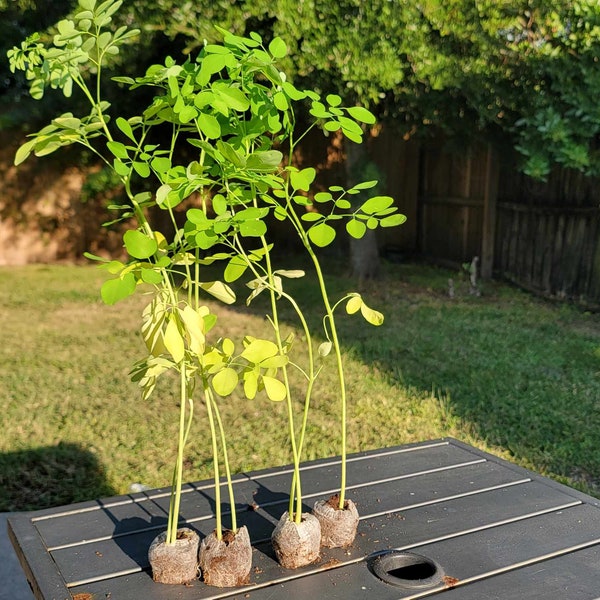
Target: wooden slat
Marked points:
476	515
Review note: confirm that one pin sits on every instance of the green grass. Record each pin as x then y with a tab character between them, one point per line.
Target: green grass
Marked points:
506	372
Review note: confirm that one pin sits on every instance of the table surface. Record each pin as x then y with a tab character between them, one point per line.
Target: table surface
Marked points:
494	530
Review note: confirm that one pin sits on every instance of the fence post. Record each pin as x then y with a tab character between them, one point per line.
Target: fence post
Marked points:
489	213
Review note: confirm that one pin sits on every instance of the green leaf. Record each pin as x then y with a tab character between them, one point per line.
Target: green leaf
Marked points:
356	228
332	125
278	48
365	185
376	204
151	276
235	268
267	160
139	245
114	290
225	381
209	126
311	217
119	150
323	197
121	168
142	169
301	180
233	97
280	101
125	127
321	234
333	99
255	228
292	92
393	220
67	122
24	151
362	114
276	390
319	111
87	4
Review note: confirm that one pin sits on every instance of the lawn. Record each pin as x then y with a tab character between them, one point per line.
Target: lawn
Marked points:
509	373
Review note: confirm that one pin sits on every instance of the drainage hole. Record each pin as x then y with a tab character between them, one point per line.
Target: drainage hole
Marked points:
414	572
406	569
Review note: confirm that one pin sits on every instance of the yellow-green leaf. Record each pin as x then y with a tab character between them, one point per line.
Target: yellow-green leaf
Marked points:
250	384
371	316
258	350
225	381
194	324
275	389
219	290
174	342
354	304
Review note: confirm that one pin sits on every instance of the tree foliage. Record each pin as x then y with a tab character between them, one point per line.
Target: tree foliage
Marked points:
522	70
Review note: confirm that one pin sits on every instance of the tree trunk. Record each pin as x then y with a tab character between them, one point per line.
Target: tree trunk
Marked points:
364	252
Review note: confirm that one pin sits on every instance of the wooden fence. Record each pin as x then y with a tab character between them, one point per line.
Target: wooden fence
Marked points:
468	202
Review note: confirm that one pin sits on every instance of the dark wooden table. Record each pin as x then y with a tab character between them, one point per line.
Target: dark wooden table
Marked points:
462	522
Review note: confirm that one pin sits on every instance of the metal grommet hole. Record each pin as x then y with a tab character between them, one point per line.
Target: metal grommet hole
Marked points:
406	569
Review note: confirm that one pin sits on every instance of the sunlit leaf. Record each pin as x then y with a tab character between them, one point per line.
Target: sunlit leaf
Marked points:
209	125
225	381
321	234
302	180
356	228
258	350
139	245
393	220
377	203
250	384
274	388
174	342
353	305
235	268
114	290
361	114
219	290
373	317
278	48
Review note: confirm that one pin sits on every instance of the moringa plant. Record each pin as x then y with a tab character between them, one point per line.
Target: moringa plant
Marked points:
213	149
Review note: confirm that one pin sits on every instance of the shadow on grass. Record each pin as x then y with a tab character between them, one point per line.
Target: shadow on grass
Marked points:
50	476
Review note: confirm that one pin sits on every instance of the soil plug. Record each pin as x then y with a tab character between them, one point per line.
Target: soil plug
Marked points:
175	563
297	544
226	562
338	525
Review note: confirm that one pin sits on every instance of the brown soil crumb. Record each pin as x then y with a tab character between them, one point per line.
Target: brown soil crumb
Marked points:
83	597
330	564
228	536
449	581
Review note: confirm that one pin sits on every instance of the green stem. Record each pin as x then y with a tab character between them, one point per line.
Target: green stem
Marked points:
336	345
215	451
217	414
184	430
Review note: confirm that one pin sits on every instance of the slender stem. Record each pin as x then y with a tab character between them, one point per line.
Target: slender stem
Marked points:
336	345
217	413
215	451
183	431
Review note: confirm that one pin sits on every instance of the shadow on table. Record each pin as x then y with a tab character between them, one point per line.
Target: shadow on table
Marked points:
50	476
